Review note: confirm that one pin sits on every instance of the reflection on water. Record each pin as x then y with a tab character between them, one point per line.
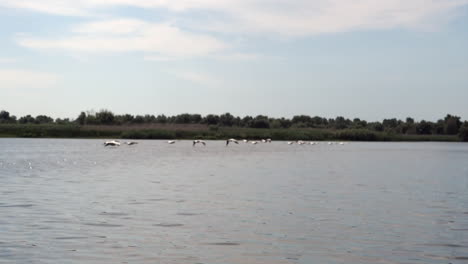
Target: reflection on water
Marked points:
75	201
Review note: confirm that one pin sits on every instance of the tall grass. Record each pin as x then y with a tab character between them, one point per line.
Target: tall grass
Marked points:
179	132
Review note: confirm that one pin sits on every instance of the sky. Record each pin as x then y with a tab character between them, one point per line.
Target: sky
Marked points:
353	58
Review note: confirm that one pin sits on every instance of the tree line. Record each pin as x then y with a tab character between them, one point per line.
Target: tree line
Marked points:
449	125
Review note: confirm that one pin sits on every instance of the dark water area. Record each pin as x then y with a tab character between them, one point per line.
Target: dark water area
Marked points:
76	201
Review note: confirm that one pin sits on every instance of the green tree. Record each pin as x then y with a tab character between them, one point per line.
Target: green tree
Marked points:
452	125
463	134
28	119
81	119
105	117
226	119
424	128
42	119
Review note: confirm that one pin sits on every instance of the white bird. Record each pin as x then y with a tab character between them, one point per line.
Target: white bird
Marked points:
290	142
231	140
245	140
199	141
171	142
300	142
112	143
131	143
341	143
329	143
253	142
268	140
264	141
312	143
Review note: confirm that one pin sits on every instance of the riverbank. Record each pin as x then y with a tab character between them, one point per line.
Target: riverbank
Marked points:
206	132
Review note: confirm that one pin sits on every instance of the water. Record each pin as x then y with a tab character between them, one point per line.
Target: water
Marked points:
75	201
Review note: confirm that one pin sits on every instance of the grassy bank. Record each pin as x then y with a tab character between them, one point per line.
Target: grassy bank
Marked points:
205	132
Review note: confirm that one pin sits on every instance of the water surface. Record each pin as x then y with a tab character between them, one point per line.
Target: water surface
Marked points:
75	201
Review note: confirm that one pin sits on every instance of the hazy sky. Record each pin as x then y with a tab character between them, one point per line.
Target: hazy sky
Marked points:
356	58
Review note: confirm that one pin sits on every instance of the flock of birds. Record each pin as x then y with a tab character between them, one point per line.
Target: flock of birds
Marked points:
117	143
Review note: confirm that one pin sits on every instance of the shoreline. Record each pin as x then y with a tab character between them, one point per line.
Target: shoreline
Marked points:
211	133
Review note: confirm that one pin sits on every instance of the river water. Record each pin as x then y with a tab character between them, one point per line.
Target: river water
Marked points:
76	201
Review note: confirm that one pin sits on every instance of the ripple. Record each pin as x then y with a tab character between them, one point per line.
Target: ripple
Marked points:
70	238
18	205
187	214
113	213
103	224
223	244
168	225
445	245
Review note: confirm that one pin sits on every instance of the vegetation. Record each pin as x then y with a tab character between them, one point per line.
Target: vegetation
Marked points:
105	124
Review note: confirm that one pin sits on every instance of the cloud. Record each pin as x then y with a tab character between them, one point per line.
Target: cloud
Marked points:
129	35
196	77
7	60
17	78
283	17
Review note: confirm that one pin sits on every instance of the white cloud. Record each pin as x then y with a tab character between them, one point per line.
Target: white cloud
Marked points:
284	17
196	77
129	35
17	78
7	60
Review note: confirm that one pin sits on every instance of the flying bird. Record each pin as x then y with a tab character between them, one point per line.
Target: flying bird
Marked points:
231	140
199	141
112	143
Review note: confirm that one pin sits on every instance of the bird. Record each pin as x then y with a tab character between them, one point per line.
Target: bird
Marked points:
341	143
131	143
245	140
171	142
312	143
231	140
253	142
290	142
112	143
300	142
264	141
199	141
268	140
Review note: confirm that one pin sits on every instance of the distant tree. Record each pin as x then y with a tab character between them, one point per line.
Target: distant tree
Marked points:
452	124
138	119
226	119
6	118
341	122
463	134
358	123
260	121
105	117
42	119
377	126
211	119
182	119
148	119
439	127
62	121
390	123
409	120
28	119
305	119
81	119
195	118
162	119
126	119
424	128
285	123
